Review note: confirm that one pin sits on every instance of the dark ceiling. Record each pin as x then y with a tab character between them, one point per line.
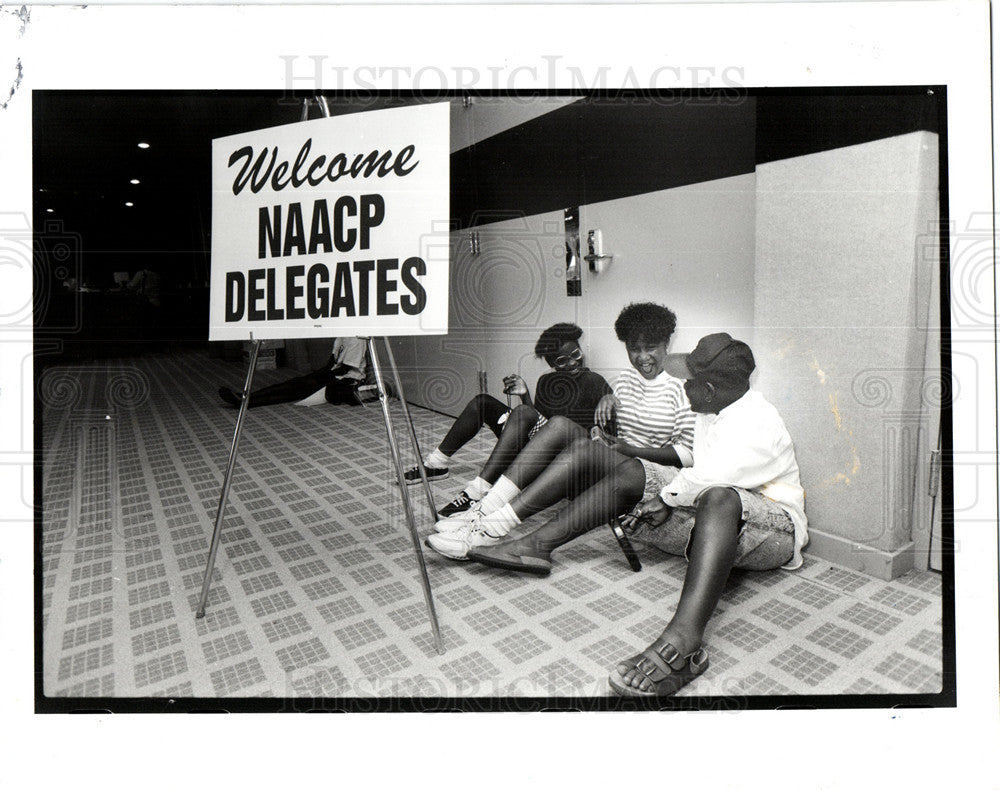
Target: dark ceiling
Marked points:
85	154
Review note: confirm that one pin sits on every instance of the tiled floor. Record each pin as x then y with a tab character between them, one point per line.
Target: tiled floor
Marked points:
316	591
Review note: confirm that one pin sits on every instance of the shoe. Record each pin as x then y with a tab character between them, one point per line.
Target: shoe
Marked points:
457	544
655	664
459	504
412	475
502	556
460	520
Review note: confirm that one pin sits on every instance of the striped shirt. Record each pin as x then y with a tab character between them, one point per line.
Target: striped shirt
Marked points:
655	413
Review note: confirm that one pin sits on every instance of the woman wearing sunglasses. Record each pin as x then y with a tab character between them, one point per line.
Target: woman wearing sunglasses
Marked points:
570	390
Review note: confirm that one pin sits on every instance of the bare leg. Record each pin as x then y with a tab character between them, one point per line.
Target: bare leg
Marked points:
512	440
554	437
613	494
575	470
711	555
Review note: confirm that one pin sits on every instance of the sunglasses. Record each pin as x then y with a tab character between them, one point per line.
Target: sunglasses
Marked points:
565	359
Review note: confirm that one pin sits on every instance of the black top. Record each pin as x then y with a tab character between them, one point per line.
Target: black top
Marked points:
573	395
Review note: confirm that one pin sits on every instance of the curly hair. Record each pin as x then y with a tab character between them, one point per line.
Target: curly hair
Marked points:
645	322
552	338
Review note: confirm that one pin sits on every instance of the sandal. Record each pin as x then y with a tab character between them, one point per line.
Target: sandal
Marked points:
655	664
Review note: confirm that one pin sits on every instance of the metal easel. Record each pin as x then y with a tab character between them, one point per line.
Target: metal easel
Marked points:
393	449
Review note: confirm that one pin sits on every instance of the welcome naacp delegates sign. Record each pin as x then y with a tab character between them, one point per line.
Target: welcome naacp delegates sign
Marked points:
325	228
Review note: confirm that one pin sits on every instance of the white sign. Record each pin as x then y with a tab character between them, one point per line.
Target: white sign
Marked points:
332	227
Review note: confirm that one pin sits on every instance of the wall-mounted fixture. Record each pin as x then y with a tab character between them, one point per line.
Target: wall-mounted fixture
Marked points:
595	252
571	223
474	242
467	101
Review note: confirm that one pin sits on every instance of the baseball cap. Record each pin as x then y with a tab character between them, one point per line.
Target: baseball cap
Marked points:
717	358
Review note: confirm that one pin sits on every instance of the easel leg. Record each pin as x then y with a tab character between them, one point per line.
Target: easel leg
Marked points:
413	433
227	481
394	450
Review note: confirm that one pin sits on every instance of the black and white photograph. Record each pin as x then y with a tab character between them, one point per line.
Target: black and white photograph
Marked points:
797	233
639	385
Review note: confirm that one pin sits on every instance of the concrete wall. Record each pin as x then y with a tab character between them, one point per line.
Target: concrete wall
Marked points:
841	304
690	248
811	259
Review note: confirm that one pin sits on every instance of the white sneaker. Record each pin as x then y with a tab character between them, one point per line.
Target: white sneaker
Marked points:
460	520
459	542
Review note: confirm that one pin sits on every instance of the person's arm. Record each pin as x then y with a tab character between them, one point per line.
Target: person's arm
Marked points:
349	355
608	406
515	385
746	456
665	456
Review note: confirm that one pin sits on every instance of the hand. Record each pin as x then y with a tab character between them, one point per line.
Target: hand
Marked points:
612	442
514	385
606	408
622	448
598	435
653	512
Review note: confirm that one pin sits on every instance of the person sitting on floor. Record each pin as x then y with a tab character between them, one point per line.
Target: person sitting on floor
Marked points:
339	378
740	505
655	427
570	391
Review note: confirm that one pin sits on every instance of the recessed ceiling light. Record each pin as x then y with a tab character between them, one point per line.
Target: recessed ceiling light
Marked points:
134	181
130	204
144	145
50	211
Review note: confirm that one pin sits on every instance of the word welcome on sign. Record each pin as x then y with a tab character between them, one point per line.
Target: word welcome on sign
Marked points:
345	236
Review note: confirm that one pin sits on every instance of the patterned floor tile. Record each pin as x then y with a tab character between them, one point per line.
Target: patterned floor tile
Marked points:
842	641
565	678
607	652
316	592
745	635
910	673
569	625
804	665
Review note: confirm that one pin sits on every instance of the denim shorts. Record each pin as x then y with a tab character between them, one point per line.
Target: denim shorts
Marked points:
657	476
766	538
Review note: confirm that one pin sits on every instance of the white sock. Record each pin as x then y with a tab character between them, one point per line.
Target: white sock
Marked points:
437	459
503	491
501	521
478	488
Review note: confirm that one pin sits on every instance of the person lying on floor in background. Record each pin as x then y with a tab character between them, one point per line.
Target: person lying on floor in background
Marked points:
740	505
570	391
655	428
339	377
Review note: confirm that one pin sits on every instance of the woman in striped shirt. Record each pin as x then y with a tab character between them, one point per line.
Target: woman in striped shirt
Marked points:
605	474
